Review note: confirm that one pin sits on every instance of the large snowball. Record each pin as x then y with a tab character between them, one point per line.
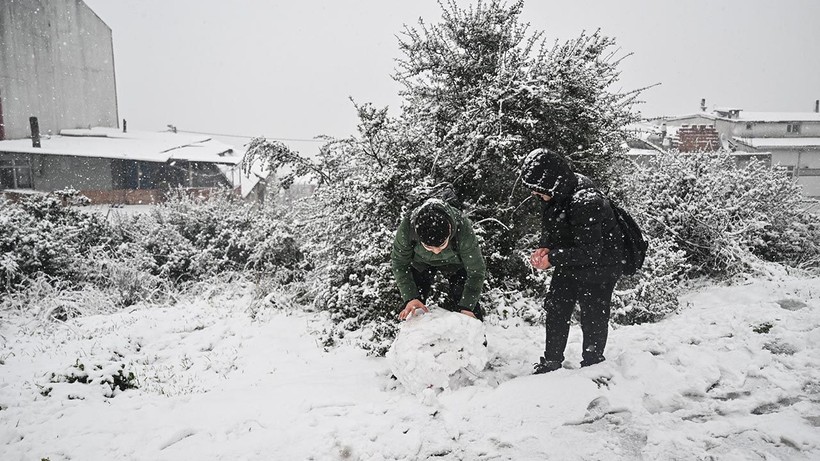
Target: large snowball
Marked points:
440	349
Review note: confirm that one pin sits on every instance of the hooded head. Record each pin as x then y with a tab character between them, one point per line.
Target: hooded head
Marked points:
549	173
431	223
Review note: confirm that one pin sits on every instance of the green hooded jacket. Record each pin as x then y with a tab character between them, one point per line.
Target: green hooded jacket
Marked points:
463	251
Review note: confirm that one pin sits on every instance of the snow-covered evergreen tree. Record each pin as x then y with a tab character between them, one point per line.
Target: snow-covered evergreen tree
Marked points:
489	92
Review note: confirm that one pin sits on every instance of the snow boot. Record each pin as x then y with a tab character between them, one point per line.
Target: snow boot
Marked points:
545	366
592	359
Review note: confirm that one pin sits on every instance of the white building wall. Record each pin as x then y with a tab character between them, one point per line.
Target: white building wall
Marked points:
811	186
766	129
806	158
786	158
56	63
805	164
810	158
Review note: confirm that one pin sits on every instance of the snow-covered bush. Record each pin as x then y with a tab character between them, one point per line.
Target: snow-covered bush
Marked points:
61	262
708	215
359	292
110	378
190	239
214	228
721	213
171	256
49	298
127	273
41	236
652	293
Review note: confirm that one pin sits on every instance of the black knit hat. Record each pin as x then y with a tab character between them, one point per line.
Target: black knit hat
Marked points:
432	226
549	173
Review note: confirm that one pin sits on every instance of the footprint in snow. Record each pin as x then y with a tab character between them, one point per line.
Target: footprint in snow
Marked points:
597	409
791	304
778	347
602	381
767	408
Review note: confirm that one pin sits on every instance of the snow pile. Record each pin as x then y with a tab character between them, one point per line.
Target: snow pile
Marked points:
440	349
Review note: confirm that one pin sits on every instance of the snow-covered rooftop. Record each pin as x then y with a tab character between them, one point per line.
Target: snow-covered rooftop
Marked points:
705	115
774	143
745	116
778	117
246	180
641	152
143	146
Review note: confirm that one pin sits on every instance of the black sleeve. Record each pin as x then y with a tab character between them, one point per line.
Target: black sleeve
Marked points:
586	222
547	239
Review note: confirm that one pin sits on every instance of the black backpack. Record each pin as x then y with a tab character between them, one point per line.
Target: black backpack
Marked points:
635	245
443	191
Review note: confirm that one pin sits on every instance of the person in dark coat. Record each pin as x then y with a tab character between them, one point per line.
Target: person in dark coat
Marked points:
437	238
581	239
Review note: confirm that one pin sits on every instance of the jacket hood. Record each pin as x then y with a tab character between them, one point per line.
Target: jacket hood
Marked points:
549	173
440	207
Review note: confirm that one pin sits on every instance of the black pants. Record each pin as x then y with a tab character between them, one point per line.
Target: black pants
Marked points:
594	295
456	278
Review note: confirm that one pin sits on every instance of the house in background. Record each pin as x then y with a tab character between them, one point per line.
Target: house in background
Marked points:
793	139
57	65
109	166
788	139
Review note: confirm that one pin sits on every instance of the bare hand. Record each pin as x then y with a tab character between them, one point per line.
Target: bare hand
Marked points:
469	313
411	307
540	258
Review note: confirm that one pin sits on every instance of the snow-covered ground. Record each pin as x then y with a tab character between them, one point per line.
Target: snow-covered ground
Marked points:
734	375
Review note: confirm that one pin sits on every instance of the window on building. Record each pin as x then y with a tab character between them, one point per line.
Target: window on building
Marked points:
793	128
789	170
15	174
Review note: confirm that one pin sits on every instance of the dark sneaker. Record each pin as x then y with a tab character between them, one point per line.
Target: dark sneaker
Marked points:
592	360
545	366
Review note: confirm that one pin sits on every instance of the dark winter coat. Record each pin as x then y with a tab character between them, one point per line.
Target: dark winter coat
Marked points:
578	224
462	251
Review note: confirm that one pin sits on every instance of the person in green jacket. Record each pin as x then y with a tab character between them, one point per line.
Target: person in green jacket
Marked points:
433	238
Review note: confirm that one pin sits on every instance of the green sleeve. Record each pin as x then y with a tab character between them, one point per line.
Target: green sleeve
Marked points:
473	262
400	258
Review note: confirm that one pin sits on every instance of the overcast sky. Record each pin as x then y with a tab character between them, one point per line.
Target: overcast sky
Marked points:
287	68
